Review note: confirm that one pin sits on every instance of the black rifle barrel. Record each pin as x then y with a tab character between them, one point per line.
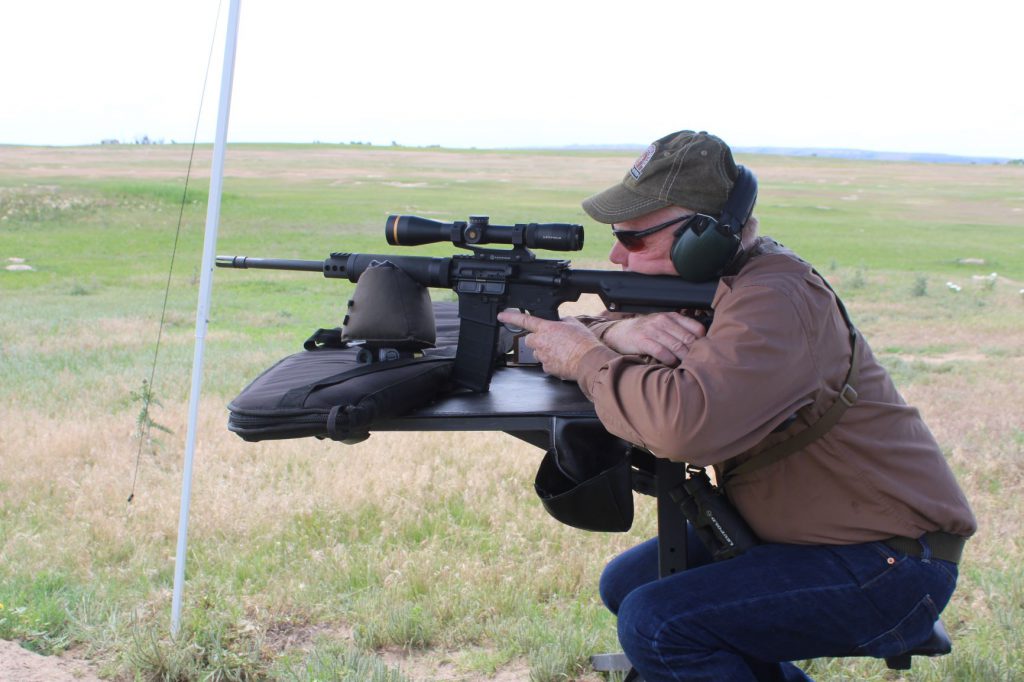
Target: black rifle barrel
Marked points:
431	272
245	262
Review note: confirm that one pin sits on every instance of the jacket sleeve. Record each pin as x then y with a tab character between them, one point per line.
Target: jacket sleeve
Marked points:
752	370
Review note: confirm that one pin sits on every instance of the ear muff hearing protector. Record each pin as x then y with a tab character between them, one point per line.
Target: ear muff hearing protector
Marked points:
705	245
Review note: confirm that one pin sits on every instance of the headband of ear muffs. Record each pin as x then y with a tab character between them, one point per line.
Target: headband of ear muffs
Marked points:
705	245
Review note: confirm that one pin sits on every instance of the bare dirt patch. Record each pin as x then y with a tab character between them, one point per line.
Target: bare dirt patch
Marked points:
438	667
22	665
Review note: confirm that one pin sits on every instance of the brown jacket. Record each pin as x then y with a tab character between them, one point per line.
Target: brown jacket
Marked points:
779	346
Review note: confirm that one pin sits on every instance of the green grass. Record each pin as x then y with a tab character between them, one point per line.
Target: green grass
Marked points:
329	661
412	557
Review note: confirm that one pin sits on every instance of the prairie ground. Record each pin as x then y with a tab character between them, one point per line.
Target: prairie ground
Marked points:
415	556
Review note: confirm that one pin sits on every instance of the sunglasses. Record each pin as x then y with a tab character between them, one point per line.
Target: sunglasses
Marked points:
633	240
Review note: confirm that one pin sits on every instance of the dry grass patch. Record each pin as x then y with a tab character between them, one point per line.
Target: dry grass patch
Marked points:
428	552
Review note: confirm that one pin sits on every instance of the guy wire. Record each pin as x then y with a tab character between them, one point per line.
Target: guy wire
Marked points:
147	392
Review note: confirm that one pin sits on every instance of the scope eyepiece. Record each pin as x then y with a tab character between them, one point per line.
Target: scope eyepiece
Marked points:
408	230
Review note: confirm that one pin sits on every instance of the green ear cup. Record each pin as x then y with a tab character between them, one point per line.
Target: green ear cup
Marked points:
701	252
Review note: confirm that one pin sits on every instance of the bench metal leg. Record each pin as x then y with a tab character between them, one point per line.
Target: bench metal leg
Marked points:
671	550
671	521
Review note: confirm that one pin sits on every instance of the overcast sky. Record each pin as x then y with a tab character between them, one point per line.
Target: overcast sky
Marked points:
889	76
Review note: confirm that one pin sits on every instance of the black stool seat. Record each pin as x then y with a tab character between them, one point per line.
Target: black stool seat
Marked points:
938	644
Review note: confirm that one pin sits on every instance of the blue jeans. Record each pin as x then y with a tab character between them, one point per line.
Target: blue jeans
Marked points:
746	618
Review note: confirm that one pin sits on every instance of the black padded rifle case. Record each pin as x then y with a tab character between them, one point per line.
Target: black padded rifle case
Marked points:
326	392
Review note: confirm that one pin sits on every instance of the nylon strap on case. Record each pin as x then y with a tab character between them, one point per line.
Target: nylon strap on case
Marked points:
325	338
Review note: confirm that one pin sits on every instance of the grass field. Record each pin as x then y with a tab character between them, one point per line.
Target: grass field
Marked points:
417	556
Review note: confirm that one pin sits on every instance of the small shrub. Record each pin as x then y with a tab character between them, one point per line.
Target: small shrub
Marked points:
858	281
144	422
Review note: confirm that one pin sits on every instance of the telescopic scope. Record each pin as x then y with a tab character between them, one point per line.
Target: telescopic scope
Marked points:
410	230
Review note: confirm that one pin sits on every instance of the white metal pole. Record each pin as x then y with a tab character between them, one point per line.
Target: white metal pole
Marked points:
203	308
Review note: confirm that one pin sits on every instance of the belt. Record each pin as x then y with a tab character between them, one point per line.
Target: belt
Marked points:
945	546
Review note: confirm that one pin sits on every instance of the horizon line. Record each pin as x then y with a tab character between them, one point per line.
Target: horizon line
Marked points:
773	150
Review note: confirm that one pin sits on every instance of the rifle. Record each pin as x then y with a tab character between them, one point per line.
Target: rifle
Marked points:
491	280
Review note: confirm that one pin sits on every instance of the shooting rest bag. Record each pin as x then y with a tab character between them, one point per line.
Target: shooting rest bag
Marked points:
586	480
407	325
326	392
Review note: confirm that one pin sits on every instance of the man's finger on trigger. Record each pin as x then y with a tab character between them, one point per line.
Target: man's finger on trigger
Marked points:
515	318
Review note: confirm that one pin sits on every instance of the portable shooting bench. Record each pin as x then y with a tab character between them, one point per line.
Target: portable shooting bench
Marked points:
525	403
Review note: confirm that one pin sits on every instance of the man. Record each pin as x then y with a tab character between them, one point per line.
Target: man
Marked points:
861	523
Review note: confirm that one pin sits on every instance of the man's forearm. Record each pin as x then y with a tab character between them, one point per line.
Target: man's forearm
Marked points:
598	325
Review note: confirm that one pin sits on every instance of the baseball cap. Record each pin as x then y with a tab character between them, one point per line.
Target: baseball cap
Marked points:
685	168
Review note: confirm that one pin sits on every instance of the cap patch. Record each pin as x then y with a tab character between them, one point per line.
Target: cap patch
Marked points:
642	161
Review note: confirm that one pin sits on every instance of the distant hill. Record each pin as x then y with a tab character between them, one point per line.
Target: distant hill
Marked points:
867	155
834	153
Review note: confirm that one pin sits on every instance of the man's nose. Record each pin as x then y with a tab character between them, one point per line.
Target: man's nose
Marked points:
618	255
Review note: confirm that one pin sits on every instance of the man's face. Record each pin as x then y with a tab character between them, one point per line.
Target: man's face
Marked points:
653	257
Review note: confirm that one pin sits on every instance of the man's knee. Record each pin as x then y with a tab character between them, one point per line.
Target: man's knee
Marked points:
631	638
628	571
639	624
612	588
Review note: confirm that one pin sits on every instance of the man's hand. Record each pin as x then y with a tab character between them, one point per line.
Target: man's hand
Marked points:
558	345
666	337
